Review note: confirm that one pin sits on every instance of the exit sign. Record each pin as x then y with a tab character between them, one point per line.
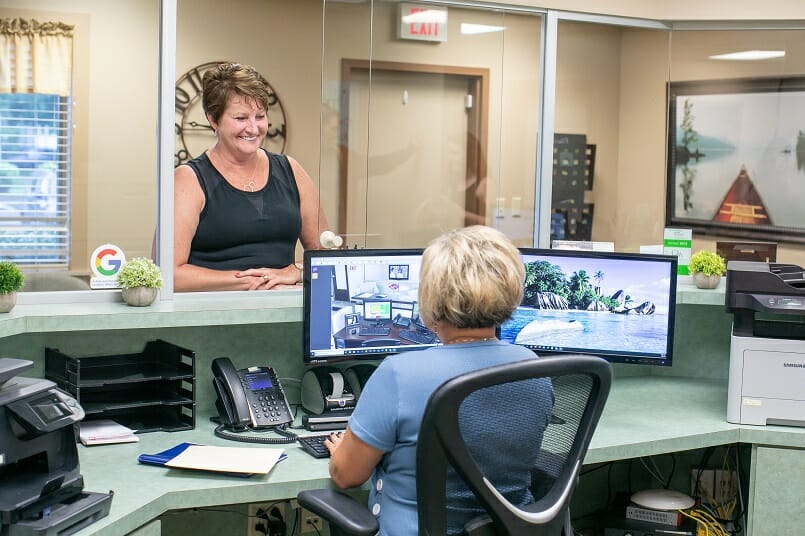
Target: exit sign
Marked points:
422	23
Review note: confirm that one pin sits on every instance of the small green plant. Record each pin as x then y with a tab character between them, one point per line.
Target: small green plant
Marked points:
707	262
139	272
11	278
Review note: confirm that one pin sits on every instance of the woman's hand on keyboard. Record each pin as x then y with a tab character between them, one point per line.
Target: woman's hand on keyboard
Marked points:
333	441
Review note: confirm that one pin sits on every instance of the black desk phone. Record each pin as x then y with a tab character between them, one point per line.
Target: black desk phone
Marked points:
250	399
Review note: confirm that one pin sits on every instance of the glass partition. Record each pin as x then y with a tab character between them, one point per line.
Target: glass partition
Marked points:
91	162
410	117
430	117
608	174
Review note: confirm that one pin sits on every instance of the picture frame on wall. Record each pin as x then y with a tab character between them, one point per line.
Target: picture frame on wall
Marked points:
736	157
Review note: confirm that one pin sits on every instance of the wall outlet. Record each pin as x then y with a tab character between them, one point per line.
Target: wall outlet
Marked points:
500	207
716	486
705	489
263	523
311	523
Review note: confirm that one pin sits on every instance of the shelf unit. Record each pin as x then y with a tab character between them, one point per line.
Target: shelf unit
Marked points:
150	391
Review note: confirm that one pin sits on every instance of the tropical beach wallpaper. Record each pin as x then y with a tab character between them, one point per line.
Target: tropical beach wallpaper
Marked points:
604	305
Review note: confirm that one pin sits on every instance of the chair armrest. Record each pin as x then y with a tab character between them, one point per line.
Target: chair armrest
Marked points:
340	510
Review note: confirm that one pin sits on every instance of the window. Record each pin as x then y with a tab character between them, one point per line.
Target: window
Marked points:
35	141
35	179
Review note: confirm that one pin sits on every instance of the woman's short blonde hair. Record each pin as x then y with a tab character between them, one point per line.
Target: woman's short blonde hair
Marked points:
227	79
470	278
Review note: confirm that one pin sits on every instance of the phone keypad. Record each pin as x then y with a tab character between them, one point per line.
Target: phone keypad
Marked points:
268	407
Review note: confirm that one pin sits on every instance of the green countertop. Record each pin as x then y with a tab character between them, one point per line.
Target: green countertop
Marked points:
143	492
644	416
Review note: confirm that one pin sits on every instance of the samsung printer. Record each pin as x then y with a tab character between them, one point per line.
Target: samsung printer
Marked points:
41	489
767	346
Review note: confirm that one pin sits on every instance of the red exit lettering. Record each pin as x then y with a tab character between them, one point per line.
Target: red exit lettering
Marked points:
423	28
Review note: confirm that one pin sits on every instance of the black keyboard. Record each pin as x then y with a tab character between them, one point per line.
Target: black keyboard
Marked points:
417	337
314	445
374	331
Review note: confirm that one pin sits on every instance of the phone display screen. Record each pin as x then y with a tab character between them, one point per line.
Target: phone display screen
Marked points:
259	380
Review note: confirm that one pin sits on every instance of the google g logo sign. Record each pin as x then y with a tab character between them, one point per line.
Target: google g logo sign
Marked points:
107	260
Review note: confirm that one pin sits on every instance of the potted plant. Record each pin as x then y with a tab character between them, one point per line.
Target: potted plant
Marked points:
11	280
140	280
707	268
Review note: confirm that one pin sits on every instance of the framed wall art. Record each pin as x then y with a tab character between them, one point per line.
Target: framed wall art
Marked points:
736	157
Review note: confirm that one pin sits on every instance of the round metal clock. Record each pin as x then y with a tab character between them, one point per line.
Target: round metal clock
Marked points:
194	134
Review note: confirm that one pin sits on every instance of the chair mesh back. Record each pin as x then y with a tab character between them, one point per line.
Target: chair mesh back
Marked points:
572	393
525	437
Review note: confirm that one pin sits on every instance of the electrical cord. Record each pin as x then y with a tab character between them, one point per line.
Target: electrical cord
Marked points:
705	520
224	432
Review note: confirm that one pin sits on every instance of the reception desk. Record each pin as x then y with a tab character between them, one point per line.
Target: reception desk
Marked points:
651	410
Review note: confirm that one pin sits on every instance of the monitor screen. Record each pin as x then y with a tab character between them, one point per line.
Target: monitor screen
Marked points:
398	271
377	310
362	303
619	306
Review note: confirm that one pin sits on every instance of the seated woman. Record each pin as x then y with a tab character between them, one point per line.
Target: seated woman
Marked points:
471	281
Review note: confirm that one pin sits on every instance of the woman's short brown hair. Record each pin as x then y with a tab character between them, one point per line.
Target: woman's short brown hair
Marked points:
225	79
470	278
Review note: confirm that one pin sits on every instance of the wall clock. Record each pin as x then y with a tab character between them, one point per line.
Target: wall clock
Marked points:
194	134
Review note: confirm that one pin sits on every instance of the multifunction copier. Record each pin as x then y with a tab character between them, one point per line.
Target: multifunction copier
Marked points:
41	489
767	347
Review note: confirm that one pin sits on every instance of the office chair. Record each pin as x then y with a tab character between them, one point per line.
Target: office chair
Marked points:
580	384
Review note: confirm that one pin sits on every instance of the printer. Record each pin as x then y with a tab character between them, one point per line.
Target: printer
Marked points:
41	490
767	345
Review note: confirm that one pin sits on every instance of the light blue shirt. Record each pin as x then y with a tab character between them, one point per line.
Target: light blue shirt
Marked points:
388	417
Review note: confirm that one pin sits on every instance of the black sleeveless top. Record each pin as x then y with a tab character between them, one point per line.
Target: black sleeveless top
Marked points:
239	230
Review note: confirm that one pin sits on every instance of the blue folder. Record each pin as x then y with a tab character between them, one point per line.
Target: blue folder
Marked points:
161	458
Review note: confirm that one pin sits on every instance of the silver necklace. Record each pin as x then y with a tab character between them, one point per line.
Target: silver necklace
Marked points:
249	186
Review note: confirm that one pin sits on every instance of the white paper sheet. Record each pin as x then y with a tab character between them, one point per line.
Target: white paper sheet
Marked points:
227	459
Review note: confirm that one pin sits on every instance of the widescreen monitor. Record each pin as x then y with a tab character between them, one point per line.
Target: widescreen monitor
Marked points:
619	306
362	303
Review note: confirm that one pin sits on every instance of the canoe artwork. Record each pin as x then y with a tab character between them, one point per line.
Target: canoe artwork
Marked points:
743	204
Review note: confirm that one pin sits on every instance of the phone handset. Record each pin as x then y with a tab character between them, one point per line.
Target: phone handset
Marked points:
250	398
232	405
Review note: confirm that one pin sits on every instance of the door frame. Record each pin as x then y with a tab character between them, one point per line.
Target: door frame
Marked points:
477	125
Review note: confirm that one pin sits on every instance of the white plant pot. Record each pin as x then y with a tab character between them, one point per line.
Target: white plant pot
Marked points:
139	296
706	281
7	301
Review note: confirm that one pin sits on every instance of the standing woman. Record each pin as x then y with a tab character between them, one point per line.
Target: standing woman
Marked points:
239	209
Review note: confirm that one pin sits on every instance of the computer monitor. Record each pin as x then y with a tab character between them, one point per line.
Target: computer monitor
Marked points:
376	310
398	271
619	306
358	305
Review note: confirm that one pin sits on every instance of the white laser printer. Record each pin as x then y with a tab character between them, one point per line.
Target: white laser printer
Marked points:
767	346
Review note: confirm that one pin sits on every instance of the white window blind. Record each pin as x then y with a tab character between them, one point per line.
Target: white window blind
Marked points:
35	179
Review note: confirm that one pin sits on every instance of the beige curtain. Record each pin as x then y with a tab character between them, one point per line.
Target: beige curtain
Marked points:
35	57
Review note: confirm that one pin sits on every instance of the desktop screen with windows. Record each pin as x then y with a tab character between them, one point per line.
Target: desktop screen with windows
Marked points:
362	303
616	305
